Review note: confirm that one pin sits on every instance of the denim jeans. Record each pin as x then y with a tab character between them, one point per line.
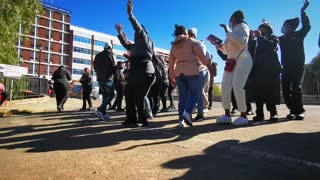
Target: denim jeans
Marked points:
107	90
203	76
189	88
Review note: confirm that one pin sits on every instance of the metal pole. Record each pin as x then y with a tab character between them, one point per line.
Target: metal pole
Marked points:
11	90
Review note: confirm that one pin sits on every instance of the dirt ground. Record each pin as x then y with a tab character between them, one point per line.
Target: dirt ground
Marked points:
75	145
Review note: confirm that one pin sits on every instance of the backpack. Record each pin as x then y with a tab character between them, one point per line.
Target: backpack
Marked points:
160	69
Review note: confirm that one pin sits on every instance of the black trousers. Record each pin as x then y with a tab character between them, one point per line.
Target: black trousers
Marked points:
170	90
163	92
135	93
118	102
61	89
153	97
86	97
210	96
292	91
270	107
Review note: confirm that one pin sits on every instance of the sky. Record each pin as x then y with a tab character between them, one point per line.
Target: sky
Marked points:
159	17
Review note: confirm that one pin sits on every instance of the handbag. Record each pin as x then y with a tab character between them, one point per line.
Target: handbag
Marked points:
231	63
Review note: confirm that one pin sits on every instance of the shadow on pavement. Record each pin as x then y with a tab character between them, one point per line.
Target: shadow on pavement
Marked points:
281	156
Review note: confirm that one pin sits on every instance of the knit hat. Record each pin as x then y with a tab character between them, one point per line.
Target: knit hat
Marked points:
193	31
106	45
293	23
238	15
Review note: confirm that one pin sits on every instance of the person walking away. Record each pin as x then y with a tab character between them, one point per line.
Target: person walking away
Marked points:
293	62
61	86
171	88
186	62
105	67
265	73
142	71
238	67
86	83
119	86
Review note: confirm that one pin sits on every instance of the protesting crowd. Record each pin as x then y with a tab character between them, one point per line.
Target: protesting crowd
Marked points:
253	73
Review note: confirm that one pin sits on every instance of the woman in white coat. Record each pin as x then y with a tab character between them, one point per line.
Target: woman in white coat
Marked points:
238	67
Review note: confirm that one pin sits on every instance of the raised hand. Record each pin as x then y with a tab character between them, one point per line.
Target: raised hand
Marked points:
118	28
130	7
305	5
224	27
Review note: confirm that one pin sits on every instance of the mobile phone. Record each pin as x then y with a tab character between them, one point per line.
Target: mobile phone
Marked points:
214	40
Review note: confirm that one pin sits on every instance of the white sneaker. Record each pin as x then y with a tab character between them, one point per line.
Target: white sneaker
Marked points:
224	120
241	121
187	119
98	114
206	110
181	124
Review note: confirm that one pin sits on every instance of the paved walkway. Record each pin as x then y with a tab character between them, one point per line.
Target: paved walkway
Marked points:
75	145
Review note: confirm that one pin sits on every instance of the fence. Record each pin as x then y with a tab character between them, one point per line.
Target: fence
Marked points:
24	87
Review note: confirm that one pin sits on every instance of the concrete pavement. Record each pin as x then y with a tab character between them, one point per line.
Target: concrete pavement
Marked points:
75	145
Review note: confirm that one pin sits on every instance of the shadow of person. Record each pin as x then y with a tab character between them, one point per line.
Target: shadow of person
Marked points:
264	158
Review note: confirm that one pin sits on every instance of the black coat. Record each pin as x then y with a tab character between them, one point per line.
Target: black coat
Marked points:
104	65
264	80
292	46
86	81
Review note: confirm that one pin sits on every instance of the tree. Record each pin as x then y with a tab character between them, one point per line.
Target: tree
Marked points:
315	67
12	14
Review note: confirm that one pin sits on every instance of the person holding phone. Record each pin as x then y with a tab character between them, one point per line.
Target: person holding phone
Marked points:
141	68
265	73
293	62
237	69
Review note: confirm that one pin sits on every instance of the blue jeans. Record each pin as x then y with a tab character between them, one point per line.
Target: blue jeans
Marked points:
189	88
203	76
107	90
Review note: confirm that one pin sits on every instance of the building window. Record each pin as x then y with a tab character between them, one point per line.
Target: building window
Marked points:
82	39
96	52
120	58
65	60
118	47
81	61
46	69
30	68
99	43
81	50
77	71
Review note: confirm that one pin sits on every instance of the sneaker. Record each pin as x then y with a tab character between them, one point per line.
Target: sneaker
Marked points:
209	108
99	114
274	118
205	110
164	110
291	116
258	118
300	117
89	109
199	118
82	109
187	118
241	121
234	111
59	109
145	124
181	124
224	120
106	117
250	113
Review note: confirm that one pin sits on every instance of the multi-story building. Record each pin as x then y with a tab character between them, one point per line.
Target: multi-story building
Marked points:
87	43
48	42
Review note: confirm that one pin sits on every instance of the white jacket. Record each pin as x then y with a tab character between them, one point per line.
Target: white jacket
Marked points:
236	41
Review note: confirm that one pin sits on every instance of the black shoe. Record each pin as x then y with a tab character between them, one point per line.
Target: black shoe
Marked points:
234	111
209	108
291	116
199	118
119	110
145	124
82	109
250	113
59	109
258	118
89	109
128	123
274	117
300	117
164	110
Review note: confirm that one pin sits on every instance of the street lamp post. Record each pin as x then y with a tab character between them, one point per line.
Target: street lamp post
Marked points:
39	87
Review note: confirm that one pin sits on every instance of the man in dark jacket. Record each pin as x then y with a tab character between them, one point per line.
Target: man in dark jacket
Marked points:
119	81
142	71
104	66
86	83
293	62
